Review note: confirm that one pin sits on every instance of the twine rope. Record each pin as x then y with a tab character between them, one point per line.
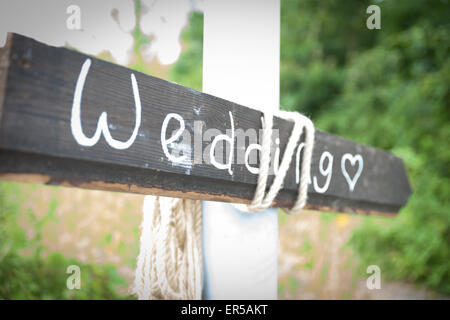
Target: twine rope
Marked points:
169	265
262	200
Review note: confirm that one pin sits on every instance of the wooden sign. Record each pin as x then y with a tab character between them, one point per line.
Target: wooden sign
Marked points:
74	120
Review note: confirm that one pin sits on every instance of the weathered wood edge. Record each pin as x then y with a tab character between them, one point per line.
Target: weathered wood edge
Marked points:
4	64
34	168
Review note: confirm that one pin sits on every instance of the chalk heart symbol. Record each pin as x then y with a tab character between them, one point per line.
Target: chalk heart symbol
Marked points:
353	159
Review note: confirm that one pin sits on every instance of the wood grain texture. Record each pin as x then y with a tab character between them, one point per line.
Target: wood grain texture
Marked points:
36	139
4	64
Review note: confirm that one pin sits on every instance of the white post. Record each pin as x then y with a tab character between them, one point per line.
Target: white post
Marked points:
241	63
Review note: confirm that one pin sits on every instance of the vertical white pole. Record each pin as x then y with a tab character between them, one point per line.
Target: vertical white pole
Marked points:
241	63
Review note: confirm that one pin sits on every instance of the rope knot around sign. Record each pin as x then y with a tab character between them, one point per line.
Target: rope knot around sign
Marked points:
262	200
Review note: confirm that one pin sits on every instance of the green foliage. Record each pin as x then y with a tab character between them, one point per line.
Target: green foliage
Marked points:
39	274
293	284
188	69
140	40
386	88
45	278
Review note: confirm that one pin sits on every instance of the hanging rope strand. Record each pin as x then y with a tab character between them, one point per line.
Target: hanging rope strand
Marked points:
169	265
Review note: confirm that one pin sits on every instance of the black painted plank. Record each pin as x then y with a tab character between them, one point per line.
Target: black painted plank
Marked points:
38	90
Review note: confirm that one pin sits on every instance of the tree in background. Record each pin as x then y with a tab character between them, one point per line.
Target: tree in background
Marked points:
188	69
388	88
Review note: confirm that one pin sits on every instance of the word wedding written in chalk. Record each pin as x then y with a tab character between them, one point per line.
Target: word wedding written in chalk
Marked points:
70	119
183	148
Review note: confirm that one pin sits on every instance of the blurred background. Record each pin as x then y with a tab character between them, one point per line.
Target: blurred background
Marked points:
388	88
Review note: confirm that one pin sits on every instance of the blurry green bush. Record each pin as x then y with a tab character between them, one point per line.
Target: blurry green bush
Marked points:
27	271
187	71
388	88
